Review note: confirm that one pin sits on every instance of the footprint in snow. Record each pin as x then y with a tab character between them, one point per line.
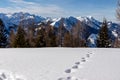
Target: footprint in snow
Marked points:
68	78
77	63
61	78
71	78
70	70
3	76
87	55
83	60
75	67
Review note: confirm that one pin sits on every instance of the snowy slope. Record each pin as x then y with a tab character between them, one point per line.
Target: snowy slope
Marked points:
51	64
17	17
11	20
90	21
68	23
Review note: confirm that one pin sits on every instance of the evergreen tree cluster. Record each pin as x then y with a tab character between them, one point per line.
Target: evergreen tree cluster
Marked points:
45	36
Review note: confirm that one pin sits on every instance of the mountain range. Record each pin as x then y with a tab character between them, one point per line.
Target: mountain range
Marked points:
91	24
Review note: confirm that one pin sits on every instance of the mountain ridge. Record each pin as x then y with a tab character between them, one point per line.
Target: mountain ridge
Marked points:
89	23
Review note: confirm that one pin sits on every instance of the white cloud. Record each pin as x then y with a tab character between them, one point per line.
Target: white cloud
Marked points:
21	2
32	7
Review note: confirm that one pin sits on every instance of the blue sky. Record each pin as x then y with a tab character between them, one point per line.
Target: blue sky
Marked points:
62	8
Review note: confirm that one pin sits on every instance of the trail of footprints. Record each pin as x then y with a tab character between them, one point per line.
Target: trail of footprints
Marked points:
75	67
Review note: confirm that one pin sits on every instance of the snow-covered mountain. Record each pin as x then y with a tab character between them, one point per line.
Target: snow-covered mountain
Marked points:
68	23
17	17
13	20
92	22
89	24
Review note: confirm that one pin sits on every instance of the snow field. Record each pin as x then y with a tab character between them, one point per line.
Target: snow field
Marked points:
60	64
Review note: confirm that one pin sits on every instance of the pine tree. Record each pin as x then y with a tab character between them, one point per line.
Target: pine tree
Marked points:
11	38
27	43
60	33
20	41
50	37
103	36
117	43
30	37
77	35
3	36
40	39
67	40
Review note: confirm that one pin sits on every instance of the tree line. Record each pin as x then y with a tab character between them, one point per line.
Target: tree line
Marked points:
45	36
48	36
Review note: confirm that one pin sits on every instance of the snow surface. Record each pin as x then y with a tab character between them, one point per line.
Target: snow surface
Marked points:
7	75
52	64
